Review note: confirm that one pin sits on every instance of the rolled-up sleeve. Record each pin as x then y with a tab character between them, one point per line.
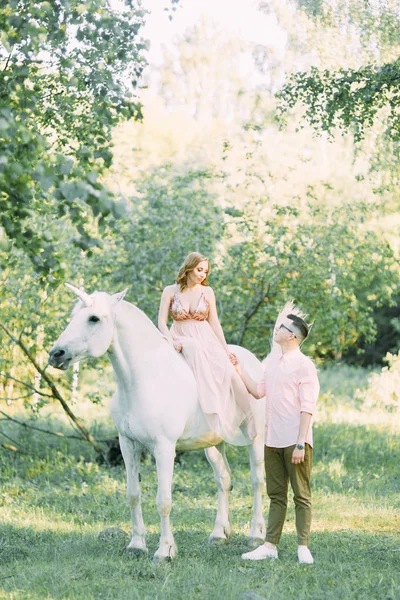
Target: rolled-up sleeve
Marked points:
308	388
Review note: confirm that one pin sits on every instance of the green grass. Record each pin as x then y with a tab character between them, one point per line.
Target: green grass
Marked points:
56	500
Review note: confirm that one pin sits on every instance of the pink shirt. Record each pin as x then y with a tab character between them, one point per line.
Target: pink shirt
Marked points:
291	386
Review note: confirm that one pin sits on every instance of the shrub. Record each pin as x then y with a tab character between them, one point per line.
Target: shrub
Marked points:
383	390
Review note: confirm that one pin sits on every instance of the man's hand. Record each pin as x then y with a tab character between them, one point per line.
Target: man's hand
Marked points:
298	456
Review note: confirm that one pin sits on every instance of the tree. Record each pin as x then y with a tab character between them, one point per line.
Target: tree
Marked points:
347	99
350	97
68	73
172	213
331	262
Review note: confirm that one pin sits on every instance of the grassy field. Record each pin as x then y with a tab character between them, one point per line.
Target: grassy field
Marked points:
56	500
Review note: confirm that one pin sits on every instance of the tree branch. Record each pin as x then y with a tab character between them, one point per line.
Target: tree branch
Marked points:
56	394
8	60
250	312
28	385
7	399
56	433
11	440
8	447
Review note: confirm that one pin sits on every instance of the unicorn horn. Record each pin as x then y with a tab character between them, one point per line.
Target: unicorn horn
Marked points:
86	299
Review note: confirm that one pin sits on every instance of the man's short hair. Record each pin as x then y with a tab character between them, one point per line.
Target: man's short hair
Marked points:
300	325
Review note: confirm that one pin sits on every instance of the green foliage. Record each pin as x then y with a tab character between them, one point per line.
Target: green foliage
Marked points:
171	215
347	99
387	322
207	170
332	264
56	501
383	389
374	23
64	68
341	94
34	310
340	385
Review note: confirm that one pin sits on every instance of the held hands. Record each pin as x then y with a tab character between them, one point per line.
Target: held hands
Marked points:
235	362
233	358
298	456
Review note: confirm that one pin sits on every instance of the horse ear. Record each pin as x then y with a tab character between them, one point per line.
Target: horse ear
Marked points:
120	296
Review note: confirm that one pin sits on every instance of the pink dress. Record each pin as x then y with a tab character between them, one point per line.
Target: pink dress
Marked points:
223	396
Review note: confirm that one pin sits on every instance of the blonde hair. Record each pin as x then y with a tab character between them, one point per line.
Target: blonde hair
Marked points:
190	263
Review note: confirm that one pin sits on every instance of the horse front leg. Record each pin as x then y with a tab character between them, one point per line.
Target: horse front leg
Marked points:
257	471
131	454
165	455
217	459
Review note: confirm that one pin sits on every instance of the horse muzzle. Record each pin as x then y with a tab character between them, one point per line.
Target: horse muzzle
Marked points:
59	359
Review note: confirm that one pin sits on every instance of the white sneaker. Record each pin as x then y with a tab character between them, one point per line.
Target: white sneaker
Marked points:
304	555
261	553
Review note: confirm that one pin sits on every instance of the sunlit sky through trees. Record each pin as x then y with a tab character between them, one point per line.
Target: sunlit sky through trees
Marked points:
240	18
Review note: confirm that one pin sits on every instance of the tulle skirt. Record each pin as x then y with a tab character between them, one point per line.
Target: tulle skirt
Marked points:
223	396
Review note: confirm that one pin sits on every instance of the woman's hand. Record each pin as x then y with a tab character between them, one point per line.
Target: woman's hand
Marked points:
235	362
177	345
233	358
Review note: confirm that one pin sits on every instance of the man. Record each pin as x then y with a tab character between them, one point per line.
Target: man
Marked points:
291	388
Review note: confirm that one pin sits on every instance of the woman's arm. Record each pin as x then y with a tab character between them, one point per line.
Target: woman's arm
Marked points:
214	320
257	390
163	313
252	386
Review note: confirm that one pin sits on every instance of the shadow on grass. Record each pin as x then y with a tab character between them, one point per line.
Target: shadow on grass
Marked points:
43	564
357	460
58	482
27	543
40	443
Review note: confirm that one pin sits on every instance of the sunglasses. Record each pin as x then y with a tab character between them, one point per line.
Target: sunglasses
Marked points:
287	329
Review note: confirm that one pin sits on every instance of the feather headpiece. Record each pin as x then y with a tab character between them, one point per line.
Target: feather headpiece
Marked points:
288	309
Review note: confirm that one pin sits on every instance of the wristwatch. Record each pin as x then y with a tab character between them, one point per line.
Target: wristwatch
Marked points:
300	446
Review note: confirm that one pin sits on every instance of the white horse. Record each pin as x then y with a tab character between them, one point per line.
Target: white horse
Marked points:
156	407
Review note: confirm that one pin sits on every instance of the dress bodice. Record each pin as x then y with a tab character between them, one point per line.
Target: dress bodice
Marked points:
179	313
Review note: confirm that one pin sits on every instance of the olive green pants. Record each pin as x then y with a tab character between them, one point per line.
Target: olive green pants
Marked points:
279	470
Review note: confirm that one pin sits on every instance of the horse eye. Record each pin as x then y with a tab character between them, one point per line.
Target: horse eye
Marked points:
94	319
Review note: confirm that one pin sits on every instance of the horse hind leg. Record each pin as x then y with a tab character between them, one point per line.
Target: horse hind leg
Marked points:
131	454
218	461
257	473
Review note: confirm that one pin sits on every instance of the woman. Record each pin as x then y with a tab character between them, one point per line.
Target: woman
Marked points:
197	333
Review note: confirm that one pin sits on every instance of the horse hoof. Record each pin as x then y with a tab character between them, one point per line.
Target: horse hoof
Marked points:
161	560
166	554
255	542
218	541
